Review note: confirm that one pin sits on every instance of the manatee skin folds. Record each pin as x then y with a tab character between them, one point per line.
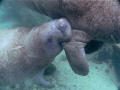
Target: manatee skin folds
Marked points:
26	51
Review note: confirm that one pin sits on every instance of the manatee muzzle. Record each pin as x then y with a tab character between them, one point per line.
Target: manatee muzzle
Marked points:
63	26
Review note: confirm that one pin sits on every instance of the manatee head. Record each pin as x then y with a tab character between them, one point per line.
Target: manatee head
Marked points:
46	42
48	37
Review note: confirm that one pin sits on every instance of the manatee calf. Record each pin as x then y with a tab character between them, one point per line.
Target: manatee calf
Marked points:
91	20
27	52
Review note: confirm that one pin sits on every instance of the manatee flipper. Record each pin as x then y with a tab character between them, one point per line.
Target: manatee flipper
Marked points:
40	81
75	52
76	57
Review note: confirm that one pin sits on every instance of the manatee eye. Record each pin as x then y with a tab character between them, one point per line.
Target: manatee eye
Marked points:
50	40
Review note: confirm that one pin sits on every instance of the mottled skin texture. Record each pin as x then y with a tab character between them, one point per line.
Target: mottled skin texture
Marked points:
26	52
100	20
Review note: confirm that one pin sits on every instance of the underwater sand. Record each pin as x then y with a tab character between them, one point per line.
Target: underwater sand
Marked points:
97	79
65	79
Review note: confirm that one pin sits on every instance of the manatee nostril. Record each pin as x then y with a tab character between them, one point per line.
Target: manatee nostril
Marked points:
62	22
64	27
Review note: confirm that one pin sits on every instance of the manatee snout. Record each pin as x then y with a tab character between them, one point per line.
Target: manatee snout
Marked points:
65	29
48	37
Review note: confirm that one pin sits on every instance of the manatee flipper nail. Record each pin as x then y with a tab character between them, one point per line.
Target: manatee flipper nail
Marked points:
76	54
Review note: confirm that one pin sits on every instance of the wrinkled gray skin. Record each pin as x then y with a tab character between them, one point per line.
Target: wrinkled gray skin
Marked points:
98	20
27	52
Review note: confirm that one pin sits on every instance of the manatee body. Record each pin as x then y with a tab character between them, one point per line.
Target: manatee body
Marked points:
27	52
90	20
99	19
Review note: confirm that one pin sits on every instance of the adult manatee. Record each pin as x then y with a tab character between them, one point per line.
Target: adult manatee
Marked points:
27	52
90	19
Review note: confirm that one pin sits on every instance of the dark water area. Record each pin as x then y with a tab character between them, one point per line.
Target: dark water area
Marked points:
18	15
1	1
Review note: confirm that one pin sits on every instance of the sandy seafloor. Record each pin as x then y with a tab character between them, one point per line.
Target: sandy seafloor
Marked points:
65	79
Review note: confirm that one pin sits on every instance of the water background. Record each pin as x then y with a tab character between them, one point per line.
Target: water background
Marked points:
12	15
